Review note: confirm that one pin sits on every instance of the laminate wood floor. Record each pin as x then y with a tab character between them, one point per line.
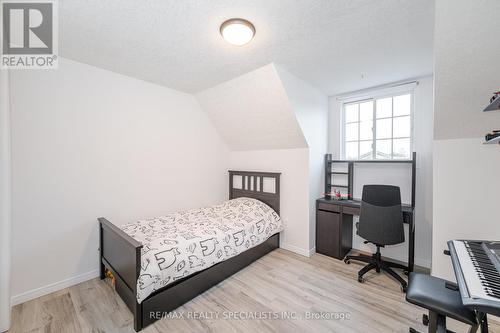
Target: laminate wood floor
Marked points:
280	284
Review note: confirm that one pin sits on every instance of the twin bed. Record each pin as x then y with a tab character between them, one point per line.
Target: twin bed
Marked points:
161	263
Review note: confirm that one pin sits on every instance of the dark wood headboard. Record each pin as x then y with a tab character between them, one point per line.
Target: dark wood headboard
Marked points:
252	186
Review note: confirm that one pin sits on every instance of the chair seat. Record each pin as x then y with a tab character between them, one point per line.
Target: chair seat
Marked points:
431	293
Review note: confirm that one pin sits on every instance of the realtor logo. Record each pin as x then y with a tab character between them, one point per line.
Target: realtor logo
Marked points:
29	34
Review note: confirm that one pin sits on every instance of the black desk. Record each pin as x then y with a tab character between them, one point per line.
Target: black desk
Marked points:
334	227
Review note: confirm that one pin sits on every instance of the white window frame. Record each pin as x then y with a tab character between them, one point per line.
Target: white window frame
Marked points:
373	96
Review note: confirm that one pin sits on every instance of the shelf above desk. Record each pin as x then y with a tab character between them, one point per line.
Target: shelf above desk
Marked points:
337	170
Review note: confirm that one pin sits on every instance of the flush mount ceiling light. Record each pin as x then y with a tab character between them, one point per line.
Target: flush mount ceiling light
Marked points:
237	31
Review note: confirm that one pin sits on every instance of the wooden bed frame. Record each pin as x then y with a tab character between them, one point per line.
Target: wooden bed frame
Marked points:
121	254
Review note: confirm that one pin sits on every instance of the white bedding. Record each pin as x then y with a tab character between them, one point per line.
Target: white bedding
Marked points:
182	243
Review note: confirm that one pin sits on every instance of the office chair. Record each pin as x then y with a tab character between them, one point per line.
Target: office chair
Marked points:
380	223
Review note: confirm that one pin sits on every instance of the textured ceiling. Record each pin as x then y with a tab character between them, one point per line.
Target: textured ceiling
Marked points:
336	45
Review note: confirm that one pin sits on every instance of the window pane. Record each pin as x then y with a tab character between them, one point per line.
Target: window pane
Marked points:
384	149
402	127
401	148
351	132
365	130
384	128
402	105
351	113
366	111
365	150
384	107
351	150
378	128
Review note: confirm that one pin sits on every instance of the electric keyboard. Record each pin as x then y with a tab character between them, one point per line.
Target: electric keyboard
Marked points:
477	269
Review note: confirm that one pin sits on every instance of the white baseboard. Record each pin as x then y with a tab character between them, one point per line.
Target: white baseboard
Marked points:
42	291
53	287
296	249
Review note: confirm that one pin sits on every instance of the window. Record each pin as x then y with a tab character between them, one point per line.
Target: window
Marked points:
378	128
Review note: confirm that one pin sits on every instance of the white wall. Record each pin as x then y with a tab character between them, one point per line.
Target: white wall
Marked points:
5	201
88	143
294	167
423	127
311	109
465	197
466	179
423	133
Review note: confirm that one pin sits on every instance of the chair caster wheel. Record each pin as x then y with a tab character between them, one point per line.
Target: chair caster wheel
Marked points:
405	272
360	279
412	330
347	261
403	289
425	320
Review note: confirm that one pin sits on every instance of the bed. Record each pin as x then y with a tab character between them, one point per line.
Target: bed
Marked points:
229	236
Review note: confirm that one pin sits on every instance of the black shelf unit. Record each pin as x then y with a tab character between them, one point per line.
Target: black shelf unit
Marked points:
329	161
328	175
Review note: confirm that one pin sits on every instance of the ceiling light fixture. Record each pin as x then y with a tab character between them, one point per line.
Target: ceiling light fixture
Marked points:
237	31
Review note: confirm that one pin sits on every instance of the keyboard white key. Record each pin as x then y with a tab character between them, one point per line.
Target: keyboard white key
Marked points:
475	286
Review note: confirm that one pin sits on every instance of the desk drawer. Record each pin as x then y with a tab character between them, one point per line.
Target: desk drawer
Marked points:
350	210
329	207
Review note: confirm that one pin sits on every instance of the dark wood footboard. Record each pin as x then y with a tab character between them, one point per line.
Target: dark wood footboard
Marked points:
121	254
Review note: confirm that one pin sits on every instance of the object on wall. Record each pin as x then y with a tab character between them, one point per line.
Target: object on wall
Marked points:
494	103
493	137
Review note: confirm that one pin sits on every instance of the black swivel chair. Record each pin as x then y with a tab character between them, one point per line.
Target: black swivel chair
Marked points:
380	223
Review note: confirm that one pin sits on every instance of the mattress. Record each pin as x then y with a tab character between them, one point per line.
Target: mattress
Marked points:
180	244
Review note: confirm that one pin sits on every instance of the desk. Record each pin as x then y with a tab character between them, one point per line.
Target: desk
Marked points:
334	227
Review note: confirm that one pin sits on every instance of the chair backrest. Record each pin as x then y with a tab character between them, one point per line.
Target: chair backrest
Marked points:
381	216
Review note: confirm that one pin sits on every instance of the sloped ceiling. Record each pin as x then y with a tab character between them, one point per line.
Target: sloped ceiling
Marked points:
310	107
253	112
336	45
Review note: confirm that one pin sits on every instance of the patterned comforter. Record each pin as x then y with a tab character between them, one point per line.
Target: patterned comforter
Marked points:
182	243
